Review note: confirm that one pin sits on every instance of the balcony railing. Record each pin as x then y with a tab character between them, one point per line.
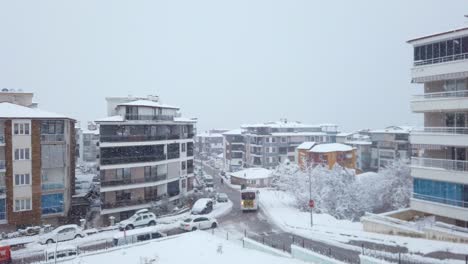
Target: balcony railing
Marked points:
132	159
149	117
173	155
134	138
133	181
451	94
125	203
463	56
2	165
442	130
440	200
446	164
53	186
52	137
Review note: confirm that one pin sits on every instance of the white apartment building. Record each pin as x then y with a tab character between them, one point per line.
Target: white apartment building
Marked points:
146	155
389	144
440	170
268	144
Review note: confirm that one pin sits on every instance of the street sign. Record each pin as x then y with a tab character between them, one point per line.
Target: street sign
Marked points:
311	204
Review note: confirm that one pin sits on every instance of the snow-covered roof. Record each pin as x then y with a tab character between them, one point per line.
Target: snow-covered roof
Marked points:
252	173
148	103
9	110
214	135
394	130
115	118
233	132
285	134
344	134
464	28
200	205
331	147
306	145
185	120
280	124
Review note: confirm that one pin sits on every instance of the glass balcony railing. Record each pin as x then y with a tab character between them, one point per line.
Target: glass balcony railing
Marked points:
440	95
441	130
448	58
133	181
131	159
149	117
53	186
52	137
441	200
446	164
136	138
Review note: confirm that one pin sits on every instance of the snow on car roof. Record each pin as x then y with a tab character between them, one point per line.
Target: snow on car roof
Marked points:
252	173
200	204
137	231
330	147
9	110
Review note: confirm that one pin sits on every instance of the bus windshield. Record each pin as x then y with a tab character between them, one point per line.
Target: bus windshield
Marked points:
248	196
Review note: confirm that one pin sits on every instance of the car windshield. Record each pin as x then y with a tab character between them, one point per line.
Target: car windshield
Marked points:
248	196
188	220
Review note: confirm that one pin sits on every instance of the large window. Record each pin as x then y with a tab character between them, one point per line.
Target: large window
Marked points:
21	129
441	51
52	127
52	203
22	205
2	209
441	192
22	179
22	154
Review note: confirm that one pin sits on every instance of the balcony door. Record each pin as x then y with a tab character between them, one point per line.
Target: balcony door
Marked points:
131	112
458	154
455	119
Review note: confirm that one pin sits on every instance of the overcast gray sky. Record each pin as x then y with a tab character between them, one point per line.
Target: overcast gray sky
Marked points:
225	62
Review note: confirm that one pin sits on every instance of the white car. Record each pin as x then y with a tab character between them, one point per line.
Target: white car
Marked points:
62	233
202	222
141	218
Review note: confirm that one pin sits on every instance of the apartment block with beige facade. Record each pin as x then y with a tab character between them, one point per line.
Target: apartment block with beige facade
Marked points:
37	164
146	155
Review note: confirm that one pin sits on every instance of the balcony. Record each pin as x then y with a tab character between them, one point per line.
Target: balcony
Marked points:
440	68
125	203
173	155
440	101
149	117
131	159
440	169
52	137
53	186
445	136
133	181
439	206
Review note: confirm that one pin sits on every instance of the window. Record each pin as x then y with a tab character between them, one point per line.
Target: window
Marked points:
183	165
22	205
22	154
52	127
52	203
21	129
456	46
183	147
22	179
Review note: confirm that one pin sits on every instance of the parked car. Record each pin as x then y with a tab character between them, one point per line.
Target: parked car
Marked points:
62	233
62	251
202	222
208	179
137	235
202	206
222	198
141	218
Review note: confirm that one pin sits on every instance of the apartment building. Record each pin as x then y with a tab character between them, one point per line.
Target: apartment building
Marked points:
328	154
146	155
37	163
89	142
388	145
440	168
210	143
362	144
268	144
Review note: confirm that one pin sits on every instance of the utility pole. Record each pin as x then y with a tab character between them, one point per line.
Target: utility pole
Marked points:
310	200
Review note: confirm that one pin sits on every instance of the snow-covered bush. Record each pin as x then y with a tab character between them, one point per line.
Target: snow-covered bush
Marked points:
341	193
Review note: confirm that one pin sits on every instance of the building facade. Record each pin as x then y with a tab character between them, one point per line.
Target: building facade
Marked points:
234	150
440	168
362	143
37	165
327	154
388	145
89	143
146	155
210	143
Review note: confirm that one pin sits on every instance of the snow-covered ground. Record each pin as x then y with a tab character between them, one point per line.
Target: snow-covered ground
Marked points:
165	224
194	247
279	206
